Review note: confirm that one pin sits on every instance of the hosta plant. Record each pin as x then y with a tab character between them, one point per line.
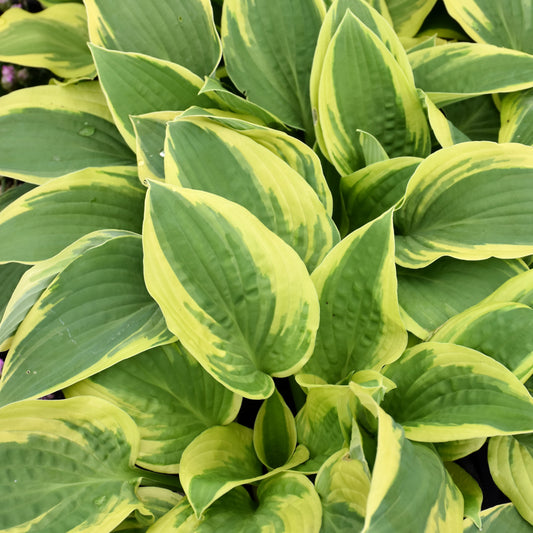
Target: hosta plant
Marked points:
276	256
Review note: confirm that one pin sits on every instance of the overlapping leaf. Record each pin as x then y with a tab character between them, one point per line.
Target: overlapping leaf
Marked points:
499	518
408	15
68	127
170	397
268	50
94	314
448	392
41	223
55	39
67	465
216	273
359	78
180	31
241	163
516	118
470	201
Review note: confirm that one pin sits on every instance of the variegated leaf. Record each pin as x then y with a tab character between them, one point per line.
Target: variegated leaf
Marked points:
470	201
67	466
240	162
498	519
517	118
408	15
180	31
94	314
55	39
68	127
449	392
471	491
360	326
214	269
348	100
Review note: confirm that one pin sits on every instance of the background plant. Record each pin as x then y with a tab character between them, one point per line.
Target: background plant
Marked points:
276	257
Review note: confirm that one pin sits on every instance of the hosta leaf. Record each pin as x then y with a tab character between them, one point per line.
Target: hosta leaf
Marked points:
68	128
94	314
372	150
457	71
55	39
210	155
220	459
347	101
477	118
171	398
448	392
469	201
181	31
10	274
517	118
318	425
135	84
215	270
517	289
10	195
499	518
430	296
486	22
471	491
408	15
26	292
274	435
150	130
511	466
500	330
372	190
374	21
342	484
360	326
67	466
395	501
268	50
237	104
45	220
286	502
457	449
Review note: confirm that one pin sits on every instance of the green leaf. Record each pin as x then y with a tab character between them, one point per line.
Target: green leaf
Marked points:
180	31
286	502
220	459
430	296
150	130
94	314
511	466
343	484
41	223
10	274
8	196
448	392
500	330
395	501
169	396
408	15
268	50
470	201
274	435
68	127
499	518
471	491
318	425
67	466
517	118
376	20
240	162
360	326
372	150
135	84
517	289
457	449
359	77
372	190
216	273
486	22
55	39
457	71
30	286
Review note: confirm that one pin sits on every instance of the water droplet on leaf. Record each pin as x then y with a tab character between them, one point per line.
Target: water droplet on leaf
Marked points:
162	153
87	131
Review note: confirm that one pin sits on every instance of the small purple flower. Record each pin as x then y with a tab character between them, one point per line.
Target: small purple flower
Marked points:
16	5
1	366
8	73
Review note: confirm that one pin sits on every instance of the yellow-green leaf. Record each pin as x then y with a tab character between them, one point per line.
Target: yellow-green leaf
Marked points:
237	297
55	39
517	118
